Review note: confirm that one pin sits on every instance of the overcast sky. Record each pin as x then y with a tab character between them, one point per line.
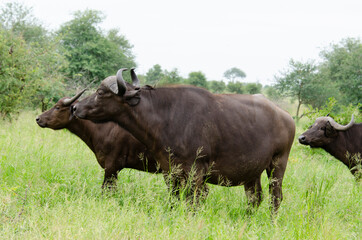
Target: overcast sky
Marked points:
259	37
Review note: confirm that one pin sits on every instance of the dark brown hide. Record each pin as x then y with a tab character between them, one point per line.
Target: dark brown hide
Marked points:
113	146
337	143
241	135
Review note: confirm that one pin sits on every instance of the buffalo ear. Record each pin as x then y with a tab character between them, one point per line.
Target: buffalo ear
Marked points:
71	115
132	97
113	88
330	131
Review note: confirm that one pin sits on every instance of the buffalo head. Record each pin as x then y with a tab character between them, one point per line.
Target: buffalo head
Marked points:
323	131
110	99
60	115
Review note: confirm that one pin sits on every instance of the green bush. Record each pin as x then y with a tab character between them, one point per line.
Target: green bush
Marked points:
30	62
340	113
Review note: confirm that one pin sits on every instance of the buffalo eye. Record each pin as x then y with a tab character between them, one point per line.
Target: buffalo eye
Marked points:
57	107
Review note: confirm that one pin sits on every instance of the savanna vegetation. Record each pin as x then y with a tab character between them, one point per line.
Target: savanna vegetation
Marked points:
39	66
50	188
50	181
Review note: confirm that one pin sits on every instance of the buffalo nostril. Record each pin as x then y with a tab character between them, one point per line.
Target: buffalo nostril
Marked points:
37	119
301	138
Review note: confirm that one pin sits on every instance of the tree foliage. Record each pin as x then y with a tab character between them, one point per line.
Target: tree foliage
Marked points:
19	19
197	79
29	68
91	54
235	87
233	74
37	66
343	66
338	75
171	77
300	82
13	71
217	86
154	75
271	92
339	112
253	88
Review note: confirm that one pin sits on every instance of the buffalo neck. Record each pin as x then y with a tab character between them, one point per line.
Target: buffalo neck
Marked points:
84	130
138	122
345	143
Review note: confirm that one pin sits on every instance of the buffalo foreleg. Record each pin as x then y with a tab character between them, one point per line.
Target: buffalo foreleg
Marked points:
110	177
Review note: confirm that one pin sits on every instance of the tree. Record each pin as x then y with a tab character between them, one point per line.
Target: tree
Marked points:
217	86
29	67
92	55
19	19
13	61
171	77
253	88
120	51
272	93
234	73
47	85
28	75
154	75
300	82
343	65
197	79
235	87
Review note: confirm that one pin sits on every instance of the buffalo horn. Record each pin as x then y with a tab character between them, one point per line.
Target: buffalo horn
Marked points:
68	101
122	88
340	127
135	80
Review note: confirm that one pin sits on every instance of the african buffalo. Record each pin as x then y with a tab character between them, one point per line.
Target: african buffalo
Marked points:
113	146
240	135
342	142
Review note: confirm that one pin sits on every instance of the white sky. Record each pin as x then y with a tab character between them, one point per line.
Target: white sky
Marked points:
210	36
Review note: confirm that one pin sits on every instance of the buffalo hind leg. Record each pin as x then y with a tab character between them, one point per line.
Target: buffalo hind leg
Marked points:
275	174
197	189
254	194
192	188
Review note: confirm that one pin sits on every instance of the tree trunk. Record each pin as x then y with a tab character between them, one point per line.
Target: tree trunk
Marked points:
297	114
43	108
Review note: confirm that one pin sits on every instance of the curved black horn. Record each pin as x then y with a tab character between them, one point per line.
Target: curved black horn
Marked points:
68	101
122	88
135	80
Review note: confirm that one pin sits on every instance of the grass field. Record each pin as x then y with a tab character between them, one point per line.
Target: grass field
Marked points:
50	188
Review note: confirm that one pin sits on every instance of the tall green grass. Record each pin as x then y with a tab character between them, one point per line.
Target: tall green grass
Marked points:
50	188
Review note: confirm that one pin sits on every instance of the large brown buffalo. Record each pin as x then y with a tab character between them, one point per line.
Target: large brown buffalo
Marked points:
113	146
342	142
240	135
